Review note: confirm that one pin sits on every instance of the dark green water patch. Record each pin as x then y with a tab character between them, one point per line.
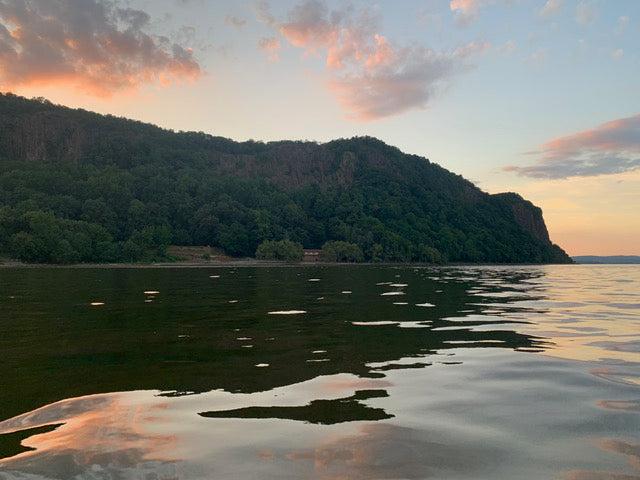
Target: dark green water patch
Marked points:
68	332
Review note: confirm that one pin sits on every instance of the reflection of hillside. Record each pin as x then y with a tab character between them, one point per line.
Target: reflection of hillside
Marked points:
11	443
325	412
190	338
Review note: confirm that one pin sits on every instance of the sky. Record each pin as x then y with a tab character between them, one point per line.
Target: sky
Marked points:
539	97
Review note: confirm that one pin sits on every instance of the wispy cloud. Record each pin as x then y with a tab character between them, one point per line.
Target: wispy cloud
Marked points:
427	16
613	147
271	45
264	14
235	21
368	75
538	59
96	46
508	48
586	14
623	22
466	11
552	8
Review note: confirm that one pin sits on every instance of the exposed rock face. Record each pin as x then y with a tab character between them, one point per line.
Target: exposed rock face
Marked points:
530	218
45	138
527	215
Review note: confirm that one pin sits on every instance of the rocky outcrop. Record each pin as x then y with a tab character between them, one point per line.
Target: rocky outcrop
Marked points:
527	215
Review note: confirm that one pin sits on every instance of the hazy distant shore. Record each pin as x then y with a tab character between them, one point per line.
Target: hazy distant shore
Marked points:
608	259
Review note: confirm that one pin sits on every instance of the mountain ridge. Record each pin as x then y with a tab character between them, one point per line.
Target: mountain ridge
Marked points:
147	187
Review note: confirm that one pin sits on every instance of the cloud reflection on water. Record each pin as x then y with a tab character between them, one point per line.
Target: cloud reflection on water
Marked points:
104	434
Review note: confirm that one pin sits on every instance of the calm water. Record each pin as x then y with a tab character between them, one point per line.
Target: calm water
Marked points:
320	373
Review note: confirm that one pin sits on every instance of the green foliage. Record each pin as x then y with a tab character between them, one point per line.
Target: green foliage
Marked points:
339	251
91	188
279	250
43	238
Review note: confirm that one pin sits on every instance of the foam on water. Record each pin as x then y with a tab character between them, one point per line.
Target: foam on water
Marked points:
288	312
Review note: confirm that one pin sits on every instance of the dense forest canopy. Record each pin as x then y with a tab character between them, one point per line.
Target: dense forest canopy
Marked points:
76	186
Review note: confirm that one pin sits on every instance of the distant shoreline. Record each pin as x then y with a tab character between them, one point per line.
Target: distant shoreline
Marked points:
226	263
606	259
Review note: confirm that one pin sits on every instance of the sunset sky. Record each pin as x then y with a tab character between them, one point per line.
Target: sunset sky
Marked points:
533	96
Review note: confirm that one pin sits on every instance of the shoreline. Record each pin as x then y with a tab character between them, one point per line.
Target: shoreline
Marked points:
248	262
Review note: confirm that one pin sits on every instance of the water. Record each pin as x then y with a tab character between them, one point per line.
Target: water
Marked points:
323	372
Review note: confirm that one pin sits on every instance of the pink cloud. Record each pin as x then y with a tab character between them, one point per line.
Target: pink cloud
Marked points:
467	7
369	76
383	56
308	26
613	147
402	87
94	46
271	45
466	10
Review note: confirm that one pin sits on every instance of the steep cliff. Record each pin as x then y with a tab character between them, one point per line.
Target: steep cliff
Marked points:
527	215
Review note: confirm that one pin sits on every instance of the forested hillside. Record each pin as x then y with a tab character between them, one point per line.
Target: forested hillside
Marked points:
76	186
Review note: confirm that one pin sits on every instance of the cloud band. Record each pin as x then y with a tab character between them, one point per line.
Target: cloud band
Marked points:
613	147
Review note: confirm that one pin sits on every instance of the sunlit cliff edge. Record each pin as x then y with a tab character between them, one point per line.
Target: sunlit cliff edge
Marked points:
76	186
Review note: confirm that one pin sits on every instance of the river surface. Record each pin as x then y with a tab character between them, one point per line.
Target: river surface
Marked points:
320	372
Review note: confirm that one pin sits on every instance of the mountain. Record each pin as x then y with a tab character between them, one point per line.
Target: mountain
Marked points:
76	186
611	259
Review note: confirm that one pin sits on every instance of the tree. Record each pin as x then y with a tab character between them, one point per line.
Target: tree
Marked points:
233	239
279	250
339	251
25	248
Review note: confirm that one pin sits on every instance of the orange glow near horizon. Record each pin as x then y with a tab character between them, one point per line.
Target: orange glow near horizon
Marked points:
590	215
594	242
97	81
